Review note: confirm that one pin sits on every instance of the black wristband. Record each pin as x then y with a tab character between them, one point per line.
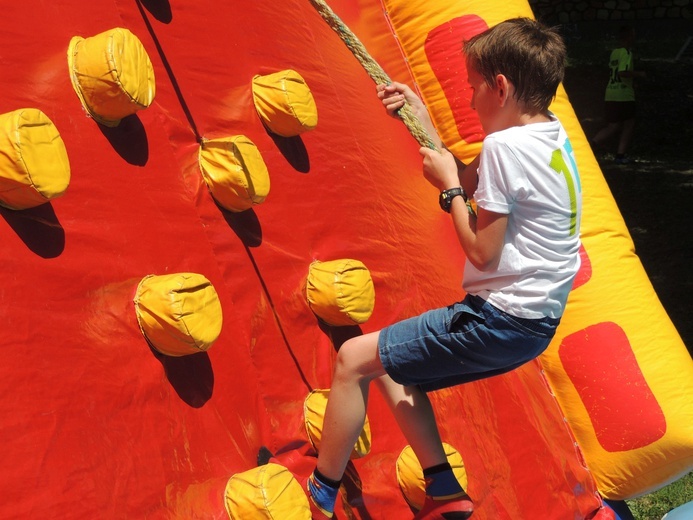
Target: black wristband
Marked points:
446	196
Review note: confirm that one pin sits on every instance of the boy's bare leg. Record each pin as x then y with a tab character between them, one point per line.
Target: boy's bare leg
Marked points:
626	136
416	418
605	133
358	363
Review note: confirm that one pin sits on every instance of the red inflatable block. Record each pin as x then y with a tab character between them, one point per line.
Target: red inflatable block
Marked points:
451	70
601	365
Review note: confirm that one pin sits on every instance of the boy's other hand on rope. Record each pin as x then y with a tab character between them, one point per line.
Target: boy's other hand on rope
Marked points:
440	168
395	95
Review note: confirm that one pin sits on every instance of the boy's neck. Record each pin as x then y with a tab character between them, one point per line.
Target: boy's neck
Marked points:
528	119
520	118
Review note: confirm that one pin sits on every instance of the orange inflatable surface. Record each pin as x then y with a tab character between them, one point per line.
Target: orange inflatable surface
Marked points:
96	423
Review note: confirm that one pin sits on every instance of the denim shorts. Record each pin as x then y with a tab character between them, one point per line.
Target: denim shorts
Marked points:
464	342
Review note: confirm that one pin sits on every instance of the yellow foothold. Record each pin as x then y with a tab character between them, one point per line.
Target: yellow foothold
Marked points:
34	167
410	474
314	417
284	103
112	75
340	292
235	172
179	314
268	491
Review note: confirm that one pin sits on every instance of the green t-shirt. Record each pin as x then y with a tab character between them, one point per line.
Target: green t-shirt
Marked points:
620	89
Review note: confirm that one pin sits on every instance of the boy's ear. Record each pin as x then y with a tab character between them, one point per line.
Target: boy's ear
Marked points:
502	89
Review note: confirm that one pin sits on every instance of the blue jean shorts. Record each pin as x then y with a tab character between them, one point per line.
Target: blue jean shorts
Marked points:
464	342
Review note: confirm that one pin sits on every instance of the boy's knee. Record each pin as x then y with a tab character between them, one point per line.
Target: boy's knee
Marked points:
346	356
355	358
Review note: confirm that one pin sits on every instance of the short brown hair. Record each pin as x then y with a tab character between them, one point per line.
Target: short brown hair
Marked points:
530	55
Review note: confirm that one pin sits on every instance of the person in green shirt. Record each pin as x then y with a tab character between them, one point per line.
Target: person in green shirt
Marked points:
619	99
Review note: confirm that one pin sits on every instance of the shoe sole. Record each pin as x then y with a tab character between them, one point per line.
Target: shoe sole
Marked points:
457	515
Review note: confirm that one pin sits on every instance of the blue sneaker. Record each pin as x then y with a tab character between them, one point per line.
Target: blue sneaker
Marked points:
316	512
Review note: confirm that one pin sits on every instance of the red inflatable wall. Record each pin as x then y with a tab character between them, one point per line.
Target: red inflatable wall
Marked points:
95	424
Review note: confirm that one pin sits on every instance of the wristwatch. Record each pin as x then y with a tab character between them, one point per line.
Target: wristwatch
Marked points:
446	196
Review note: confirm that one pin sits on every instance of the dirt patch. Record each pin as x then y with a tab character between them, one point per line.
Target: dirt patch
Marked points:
654	192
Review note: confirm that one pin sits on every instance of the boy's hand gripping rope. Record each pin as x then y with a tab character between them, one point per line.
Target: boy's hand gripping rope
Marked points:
374	70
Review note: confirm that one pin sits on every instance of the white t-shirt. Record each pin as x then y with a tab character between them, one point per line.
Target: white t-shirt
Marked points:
529	173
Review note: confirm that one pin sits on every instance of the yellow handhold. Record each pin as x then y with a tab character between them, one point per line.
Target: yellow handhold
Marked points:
340	292
235	172
179	314
112	74
284	103
266	492
34	167
410	474
314	417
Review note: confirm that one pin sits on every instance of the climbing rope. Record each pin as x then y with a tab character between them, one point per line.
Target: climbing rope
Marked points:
374	70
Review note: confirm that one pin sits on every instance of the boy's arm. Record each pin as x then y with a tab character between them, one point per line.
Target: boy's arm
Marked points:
394	96
632	74
625	67
467	174
480	235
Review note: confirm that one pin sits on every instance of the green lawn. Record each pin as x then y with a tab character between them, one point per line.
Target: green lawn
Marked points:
655	505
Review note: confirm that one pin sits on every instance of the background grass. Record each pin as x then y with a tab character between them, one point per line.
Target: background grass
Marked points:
655	505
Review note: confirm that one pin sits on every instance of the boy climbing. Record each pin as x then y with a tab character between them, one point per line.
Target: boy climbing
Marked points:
521	245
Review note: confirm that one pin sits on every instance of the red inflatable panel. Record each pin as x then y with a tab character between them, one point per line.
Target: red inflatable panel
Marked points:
450	71
98	425
635	408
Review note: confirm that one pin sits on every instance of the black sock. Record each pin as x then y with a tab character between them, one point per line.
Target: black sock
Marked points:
441	481
325	480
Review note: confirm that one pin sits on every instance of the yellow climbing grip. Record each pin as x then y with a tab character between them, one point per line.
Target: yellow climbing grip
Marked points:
410	474
266	492
235	172
284	103
340	292
179	314
314	417
112	74
34	167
